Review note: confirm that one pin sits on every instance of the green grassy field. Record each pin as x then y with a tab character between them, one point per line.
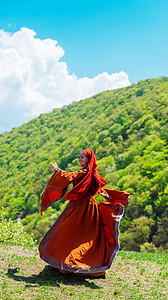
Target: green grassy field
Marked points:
23	275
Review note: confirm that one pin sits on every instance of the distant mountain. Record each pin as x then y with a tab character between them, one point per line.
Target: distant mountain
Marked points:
128	130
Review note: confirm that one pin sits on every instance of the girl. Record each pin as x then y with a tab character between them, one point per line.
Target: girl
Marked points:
84	239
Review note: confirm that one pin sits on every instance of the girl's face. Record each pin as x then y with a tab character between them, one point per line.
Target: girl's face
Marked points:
83	160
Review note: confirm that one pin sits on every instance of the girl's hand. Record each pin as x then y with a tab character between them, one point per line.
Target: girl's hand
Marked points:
53	167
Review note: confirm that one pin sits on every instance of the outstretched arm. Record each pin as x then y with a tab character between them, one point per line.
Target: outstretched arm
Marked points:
57	186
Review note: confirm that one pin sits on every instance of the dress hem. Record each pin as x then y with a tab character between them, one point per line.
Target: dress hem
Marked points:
78	269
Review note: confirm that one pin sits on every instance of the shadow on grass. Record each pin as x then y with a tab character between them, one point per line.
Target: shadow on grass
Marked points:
51	277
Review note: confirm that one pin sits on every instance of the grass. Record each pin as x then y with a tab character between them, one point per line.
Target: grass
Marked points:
23	275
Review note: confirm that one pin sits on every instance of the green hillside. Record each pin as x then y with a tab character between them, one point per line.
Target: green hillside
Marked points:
128	130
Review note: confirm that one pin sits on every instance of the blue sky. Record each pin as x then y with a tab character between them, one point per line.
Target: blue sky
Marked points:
99	36
95	37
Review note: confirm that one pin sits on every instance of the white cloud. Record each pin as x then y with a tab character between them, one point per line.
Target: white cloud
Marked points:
33	80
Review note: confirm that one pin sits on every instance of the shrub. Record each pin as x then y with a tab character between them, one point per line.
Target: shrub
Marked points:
137	234
148	247
12	232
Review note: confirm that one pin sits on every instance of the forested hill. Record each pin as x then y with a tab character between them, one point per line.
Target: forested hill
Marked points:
128	130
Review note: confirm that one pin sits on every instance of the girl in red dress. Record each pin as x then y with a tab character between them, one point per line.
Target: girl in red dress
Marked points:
84	239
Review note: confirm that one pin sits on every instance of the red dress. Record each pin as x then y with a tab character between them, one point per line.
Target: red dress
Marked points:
84	239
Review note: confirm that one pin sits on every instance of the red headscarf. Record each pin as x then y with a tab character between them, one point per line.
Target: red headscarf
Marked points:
91	184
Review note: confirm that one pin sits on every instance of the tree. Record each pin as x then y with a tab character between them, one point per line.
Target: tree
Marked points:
137	234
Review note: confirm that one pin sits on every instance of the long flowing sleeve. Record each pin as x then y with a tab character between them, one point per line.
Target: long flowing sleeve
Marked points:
57	186
115	197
